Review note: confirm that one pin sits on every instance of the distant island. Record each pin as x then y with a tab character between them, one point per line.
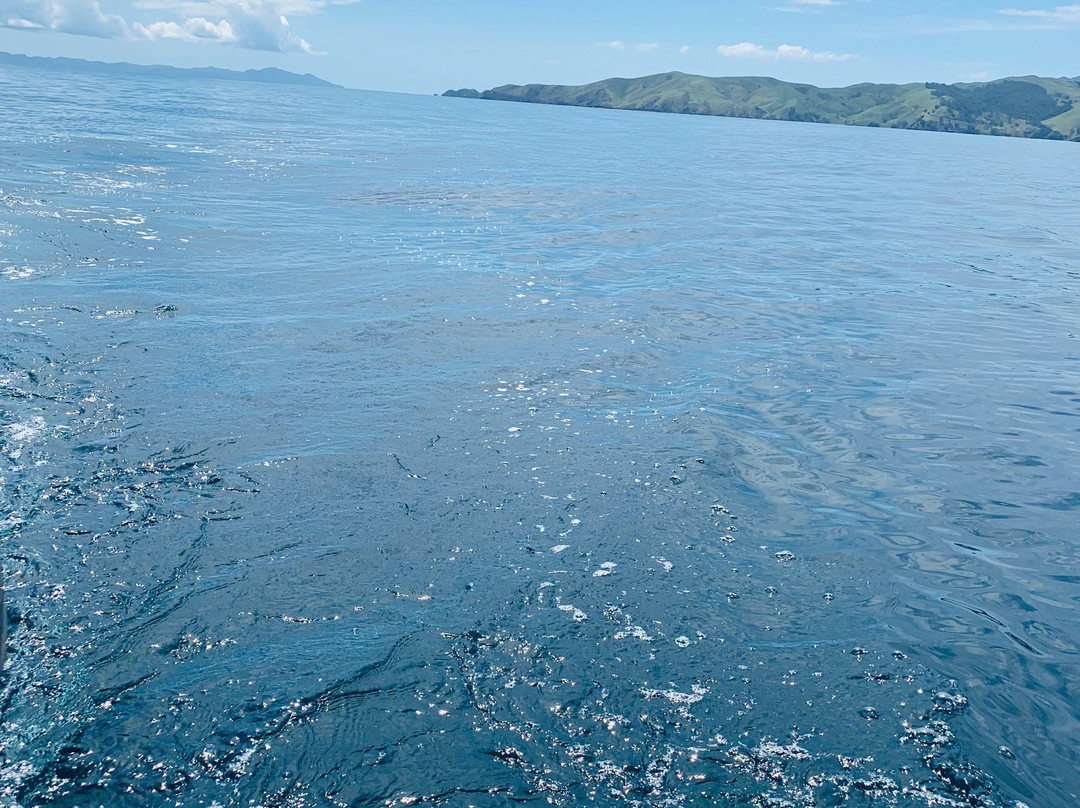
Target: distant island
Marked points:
267	75
1026	106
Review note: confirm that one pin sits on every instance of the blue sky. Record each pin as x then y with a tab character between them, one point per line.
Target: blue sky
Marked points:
425	47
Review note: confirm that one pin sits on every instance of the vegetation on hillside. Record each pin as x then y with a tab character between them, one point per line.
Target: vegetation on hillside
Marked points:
1019	107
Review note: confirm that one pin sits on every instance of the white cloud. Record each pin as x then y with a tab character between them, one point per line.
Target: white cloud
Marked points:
201	28
192	30
255	8
618	44
794	53
83	17
684	49
801	54
253	24
808	5
744	50
19	22
1067	15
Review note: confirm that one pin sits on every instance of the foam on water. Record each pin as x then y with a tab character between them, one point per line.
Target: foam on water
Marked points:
25	432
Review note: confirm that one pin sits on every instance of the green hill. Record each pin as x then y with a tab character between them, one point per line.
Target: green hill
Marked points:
1028	106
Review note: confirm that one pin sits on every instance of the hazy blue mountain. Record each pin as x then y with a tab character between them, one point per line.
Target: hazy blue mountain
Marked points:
268	75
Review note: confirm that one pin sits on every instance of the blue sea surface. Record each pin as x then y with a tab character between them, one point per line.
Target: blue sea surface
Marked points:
362	449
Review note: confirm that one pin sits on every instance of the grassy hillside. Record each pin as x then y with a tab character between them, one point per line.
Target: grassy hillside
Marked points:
1028	106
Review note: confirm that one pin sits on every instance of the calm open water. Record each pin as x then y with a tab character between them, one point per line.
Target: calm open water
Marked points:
376	450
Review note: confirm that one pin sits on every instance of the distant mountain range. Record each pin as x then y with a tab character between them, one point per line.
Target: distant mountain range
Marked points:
1027	106
269	75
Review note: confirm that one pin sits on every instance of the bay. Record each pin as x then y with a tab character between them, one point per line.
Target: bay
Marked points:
370	449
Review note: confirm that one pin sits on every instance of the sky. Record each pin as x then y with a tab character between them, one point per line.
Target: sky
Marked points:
428	46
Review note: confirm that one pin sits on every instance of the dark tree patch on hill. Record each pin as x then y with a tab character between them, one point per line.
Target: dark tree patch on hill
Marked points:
1015	99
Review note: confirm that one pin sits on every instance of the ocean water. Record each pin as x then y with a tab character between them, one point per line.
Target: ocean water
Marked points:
374	450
